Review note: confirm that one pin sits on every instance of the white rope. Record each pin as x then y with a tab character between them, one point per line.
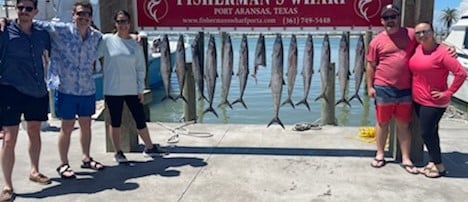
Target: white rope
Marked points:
181	130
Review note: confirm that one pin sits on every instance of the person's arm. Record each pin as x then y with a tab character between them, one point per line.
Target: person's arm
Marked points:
370	73
459	74
450	48
141	72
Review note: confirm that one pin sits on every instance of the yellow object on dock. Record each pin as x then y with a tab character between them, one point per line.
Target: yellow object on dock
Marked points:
367	134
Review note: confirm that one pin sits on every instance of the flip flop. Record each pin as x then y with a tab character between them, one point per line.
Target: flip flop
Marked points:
379	163
435	171
408	168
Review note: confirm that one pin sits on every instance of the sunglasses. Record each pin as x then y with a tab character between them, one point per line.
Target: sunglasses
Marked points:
83	13
121	22
424	32
25	8
390	17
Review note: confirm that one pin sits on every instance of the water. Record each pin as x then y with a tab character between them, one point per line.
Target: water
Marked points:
258	96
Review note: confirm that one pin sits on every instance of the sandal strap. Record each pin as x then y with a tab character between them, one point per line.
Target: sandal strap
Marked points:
64	168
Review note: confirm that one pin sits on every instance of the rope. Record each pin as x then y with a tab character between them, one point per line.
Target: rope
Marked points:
307	126
181	130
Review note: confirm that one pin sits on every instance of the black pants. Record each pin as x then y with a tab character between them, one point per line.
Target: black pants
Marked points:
115	105
428	118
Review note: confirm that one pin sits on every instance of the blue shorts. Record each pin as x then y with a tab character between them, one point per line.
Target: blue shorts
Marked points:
13	104
69	106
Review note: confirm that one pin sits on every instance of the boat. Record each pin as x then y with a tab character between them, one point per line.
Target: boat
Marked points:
458	37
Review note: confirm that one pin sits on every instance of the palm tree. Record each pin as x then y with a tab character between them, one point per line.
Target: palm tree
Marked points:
448	17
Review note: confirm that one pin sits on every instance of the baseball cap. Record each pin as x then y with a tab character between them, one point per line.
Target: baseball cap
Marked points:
390	7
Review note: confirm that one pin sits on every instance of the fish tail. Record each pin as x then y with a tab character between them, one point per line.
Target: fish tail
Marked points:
343	100
241	100
357	97
304	102
276	120
290	102
210	109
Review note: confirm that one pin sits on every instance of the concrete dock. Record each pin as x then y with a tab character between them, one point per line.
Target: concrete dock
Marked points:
228	162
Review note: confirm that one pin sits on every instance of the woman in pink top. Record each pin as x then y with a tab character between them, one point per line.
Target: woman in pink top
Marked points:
430	66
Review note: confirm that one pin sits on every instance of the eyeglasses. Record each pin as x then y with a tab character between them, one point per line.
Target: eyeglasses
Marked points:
121	22
25	8
390	17
424	32
83	13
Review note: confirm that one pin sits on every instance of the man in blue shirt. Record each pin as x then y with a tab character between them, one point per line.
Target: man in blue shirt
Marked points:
74	50
22	90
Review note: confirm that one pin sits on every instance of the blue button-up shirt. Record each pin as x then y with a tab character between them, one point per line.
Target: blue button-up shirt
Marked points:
23	64
72	57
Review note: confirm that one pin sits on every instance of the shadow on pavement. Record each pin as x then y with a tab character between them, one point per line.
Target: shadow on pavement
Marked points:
116	177
276	151
456	164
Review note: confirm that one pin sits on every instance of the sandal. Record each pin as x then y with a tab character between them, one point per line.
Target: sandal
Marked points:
40	178
92	164
7	195
66	172
434	173
410	169
378	163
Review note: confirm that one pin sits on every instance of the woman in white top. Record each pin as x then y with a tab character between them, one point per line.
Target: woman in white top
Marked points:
124	80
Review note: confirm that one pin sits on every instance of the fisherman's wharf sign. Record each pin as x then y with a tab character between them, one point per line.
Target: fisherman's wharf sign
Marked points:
259	14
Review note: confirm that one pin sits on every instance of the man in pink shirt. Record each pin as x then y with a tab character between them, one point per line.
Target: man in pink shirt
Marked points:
389	83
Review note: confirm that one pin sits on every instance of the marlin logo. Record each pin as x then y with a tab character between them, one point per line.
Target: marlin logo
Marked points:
156	9
367	9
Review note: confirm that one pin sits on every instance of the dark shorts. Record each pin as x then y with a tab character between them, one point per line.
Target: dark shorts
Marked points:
67	106
115	106
392	102
13	104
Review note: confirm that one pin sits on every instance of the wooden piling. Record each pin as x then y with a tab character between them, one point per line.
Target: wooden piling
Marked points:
190	110
328	107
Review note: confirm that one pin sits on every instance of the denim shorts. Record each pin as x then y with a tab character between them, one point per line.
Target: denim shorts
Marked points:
67	106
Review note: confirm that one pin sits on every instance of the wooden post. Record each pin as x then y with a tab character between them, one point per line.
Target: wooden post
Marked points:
190	110
328	108
144	43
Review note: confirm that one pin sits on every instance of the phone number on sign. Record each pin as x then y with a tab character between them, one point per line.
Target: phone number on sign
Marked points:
306	20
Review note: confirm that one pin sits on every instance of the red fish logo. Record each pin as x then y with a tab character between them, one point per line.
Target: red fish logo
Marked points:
156	9
367	9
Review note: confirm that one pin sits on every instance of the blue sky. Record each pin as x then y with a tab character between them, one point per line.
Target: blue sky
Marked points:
443	4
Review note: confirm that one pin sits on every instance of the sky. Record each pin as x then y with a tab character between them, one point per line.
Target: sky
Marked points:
460	5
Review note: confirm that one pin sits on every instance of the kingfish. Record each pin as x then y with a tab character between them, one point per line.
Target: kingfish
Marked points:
292	69
358	67
260	55
227	72
166	67
180	67
307	69
197	68
243	71
211	73
276	83
343	68
324	67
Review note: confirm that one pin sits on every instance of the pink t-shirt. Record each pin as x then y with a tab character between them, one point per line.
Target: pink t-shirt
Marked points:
392	52
430	71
